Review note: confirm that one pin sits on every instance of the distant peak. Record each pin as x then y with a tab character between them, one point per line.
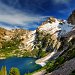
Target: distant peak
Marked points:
51	19
71	18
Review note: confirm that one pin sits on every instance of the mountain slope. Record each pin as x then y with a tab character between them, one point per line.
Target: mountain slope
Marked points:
52	36
56	29
65	69
55	34
15	42
46	38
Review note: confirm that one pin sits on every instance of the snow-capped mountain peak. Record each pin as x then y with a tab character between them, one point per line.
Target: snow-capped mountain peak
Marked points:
56	26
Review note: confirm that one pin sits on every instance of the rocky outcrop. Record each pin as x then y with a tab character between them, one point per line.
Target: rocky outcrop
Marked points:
55	28
65	69
28	40
50	28
71	18
69	36
26	37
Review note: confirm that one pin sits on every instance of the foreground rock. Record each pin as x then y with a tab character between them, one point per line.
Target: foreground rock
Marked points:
65	69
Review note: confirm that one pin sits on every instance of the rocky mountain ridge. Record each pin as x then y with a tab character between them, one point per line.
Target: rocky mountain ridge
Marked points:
46	37
52	35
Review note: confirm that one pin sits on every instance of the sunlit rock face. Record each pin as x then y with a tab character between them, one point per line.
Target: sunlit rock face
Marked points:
56	29
26	37
71	18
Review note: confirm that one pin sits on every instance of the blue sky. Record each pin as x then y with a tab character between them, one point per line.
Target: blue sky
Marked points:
29	14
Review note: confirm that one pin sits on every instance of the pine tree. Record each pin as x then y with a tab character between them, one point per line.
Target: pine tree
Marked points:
3	71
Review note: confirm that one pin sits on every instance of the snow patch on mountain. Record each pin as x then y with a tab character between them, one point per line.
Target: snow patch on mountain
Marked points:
57	27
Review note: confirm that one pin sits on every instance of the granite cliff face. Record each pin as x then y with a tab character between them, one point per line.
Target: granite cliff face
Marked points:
8	35
16	42
54	29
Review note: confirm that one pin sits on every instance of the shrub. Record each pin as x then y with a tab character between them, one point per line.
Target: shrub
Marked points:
14	71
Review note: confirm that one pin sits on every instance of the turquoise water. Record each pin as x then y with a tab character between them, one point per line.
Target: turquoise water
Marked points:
25	65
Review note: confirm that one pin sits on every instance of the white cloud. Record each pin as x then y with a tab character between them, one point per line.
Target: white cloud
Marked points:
16	17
